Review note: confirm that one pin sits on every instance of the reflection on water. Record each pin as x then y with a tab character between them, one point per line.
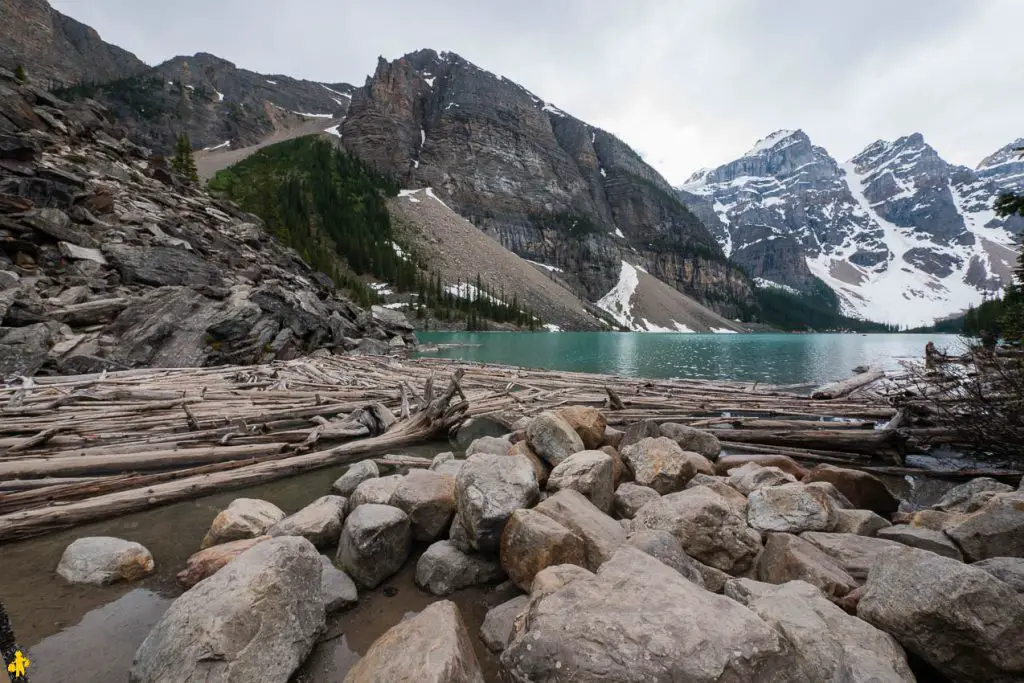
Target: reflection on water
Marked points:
770	358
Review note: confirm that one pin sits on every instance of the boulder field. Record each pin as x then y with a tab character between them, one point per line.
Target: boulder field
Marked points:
682	571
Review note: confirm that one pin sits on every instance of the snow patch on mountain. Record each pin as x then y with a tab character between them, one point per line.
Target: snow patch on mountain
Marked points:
617	302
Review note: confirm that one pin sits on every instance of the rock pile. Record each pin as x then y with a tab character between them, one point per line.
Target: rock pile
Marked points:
746	574
108	260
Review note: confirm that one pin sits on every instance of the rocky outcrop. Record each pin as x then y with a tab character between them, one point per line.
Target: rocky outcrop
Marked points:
254	620
961	619
56	50
399	654
584	202
444	569
110	261
639	620
102	560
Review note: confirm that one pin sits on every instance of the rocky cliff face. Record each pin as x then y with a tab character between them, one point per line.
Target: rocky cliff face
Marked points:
107	261
548	186
57	50
217	104
900	234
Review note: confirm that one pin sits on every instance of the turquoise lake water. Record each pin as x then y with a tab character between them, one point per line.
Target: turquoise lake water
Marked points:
770	358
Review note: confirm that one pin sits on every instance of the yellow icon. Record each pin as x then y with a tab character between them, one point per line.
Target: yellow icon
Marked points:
18	666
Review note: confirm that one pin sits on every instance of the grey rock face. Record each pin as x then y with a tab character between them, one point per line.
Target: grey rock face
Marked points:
925	539
664	547
956	617
995	530
629	498
489	488
339	590
601	534
590	473
695	440
375	543
790	558
319	522
1009	570
102	560
243	518
552	438
581	186
429	500
398	655
444	569
354	476
497	626
790	508
708	527
660	464
639	620
971	496
830	644
255	619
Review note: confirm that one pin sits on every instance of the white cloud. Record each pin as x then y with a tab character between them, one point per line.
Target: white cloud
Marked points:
689	83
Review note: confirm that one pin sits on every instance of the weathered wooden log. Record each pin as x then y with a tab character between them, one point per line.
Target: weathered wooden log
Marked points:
847	386
878	443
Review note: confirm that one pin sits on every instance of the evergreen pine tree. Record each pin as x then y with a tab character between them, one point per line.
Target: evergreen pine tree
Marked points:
184	162
19	73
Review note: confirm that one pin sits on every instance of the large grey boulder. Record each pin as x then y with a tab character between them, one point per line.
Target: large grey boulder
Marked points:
664	547
23	350
161	266
750	477
830	645
590	473
864	490
660	464
721	486
254	620
588	422
499	622
102	560
790	558
432	647
692	439
601	534
319	522
790	508
995	530
447	464
489	488
854	553
925	539
429	500
639	620
960	619
552	438
339	590
243	518
972	495
391	319
707	526
1009	570
489	444
354	476
533	541
727	463
375	543
374	491
629	498
443	569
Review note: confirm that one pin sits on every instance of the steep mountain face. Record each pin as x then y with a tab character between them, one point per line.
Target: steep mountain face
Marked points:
217	104
547	186
55	49
108	261
901	235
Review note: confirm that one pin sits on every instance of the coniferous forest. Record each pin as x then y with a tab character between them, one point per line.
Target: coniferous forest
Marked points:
332	208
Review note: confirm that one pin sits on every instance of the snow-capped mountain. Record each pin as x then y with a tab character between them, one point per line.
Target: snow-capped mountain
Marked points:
901	235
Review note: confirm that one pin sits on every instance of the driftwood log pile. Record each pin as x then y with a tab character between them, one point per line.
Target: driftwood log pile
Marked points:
79	448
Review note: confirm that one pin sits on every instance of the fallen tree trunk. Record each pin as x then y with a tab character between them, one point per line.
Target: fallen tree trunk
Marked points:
847	386
875	443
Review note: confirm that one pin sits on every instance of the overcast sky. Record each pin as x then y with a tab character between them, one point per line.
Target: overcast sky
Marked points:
688	83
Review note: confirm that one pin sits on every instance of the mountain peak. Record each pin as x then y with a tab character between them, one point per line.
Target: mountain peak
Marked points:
776	140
